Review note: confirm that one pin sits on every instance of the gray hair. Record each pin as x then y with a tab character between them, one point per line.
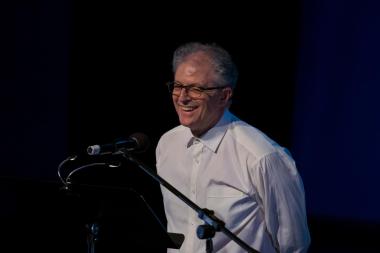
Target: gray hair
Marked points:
224	67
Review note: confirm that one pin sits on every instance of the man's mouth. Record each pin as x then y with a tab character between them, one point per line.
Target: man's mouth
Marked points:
188	108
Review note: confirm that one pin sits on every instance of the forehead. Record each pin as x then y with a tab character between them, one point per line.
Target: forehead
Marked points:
196	66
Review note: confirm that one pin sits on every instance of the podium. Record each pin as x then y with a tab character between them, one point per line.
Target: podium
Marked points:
120	209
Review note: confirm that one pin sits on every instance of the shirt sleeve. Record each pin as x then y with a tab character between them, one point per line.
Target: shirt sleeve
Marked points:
282	198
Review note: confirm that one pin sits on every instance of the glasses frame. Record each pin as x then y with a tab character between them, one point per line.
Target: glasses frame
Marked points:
191	87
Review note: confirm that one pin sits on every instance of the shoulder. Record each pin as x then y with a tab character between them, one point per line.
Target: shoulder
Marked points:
264	153
251	139
174	136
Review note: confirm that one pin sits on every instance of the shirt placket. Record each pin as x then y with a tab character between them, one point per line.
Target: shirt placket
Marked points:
193	216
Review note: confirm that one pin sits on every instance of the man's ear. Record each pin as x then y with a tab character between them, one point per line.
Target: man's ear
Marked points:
226	95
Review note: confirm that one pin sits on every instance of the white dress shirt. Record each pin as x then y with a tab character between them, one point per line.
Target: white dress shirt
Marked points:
249	181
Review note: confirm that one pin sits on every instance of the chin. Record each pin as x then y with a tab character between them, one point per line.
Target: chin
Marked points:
185	123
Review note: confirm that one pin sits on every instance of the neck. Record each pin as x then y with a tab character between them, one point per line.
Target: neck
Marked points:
199	132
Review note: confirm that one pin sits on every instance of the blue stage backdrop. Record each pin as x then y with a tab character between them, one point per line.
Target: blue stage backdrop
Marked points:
336	131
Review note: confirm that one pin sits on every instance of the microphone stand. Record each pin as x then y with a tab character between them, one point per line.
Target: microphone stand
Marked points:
92	236
212	223
93	227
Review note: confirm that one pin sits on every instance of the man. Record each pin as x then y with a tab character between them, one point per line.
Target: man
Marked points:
223	164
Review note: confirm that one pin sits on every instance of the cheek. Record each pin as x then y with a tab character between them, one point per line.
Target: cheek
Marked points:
175	100
213	104
210	109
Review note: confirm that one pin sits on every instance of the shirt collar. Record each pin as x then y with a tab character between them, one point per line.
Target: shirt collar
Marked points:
213	137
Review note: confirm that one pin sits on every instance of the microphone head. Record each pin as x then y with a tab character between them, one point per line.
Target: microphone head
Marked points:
142	142
93	150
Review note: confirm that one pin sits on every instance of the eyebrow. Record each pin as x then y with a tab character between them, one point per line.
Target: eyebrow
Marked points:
198	85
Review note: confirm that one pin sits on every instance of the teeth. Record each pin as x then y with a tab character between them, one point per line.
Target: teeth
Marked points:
188	108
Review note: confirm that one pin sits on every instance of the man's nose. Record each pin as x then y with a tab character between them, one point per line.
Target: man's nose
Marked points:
183	94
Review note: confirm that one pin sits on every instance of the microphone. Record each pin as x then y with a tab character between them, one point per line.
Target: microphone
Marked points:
137	142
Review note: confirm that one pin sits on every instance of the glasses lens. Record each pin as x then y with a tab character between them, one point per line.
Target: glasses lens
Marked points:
194	92
175	88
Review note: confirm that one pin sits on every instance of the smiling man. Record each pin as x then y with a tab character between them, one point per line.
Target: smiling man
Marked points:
223	164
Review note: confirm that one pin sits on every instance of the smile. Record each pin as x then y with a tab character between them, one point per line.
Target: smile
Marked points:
188	108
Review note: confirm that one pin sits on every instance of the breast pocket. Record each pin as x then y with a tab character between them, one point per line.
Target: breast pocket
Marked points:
222	191
226	202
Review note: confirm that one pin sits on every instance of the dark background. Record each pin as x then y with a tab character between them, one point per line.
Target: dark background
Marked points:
76	73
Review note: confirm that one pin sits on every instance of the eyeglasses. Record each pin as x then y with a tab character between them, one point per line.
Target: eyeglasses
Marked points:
192	91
